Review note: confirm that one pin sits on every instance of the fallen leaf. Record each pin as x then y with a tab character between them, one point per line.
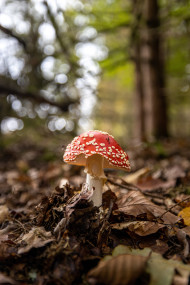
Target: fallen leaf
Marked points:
149	183
187	230
141	228
4	213
174	172
6	280
158	246
84	194
119	270
161	270
134	203
185	214
4	233
133	178
52	172
182	237
63	182
36	237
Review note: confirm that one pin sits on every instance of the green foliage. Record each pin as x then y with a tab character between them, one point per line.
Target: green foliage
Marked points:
108	16
117	23
179	56
113	111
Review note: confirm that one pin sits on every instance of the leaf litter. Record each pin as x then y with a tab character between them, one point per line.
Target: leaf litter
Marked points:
53	235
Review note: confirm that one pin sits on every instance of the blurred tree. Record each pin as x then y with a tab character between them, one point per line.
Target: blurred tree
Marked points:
114	110
49	52
147	35
152	120
39	61
33	51
134	35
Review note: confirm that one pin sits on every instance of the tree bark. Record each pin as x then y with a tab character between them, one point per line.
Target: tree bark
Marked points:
152	120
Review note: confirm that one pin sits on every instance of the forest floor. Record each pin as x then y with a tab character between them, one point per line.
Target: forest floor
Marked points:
51	234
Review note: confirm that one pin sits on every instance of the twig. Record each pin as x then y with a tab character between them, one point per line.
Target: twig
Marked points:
174	206
65	47
10	33
7	89
21	225
130	187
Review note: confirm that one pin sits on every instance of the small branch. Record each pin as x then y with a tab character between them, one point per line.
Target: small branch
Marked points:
10	33
177	204
56	28
64	44
113	28
35	97
131	187
128	187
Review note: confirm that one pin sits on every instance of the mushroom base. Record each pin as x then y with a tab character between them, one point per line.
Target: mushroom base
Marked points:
96	184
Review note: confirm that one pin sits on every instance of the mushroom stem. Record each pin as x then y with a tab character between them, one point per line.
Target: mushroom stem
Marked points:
96	184
95	177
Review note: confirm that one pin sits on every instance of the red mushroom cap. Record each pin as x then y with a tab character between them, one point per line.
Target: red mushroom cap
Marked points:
97	142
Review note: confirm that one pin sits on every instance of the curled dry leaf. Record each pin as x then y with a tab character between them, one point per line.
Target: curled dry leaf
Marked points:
141	228
120	270
36	237
182	237
133	177
85	194
134	203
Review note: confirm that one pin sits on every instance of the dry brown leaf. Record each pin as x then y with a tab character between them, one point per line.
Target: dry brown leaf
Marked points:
182	237
53	172
149	183
158	245
36	237
120	270
141	228
187	230
4	213
63	182
185	214
6	280
84	194
174	172
133	178
134	203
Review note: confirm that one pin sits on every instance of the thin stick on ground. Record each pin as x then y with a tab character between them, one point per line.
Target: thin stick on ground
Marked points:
132	188
177	204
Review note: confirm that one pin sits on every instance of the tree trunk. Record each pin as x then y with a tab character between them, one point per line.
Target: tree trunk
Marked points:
152	121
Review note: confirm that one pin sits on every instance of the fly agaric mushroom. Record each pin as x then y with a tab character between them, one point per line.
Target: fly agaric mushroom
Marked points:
96	150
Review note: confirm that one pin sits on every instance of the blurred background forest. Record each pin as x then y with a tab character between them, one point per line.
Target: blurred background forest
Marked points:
118	66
